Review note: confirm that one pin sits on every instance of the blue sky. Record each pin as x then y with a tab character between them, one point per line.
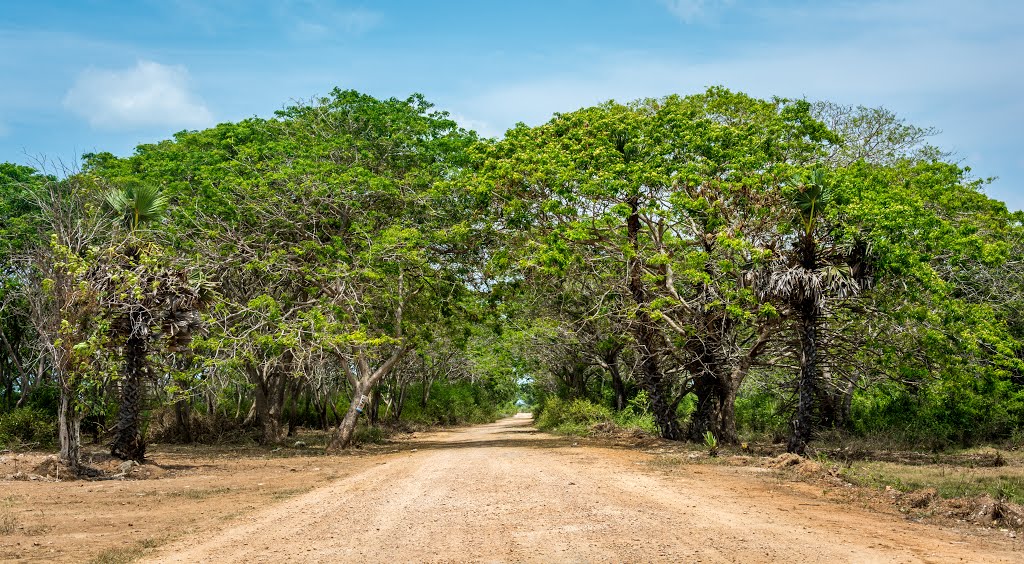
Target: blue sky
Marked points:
95	75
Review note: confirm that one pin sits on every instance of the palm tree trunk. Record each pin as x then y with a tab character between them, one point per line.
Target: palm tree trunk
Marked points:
803	424
128	442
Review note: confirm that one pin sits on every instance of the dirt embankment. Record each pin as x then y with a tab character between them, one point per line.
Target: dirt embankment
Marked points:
501	492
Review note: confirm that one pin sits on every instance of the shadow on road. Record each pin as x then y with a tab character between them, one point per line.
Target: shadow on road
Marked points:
558	442
517	433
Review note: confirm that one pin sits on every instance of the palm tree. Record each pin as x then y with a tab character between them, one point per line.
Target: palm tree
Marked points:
136	206
160	302
816	269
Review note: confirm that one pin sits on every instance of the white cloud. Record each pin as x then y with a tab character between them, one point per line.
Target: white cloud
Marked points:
947	76
146	95
483	128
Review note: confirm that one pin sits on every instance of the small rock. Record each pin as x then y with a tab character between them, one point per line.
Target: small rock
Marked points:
299	444
127	466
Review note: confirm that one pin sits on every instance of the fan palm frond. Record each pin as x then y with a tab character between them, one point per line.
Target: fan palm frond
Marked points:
812	198
137	205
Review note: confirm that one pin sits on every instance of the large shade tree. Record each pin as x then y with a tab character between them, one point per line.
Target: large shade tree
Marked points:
669	205
337	231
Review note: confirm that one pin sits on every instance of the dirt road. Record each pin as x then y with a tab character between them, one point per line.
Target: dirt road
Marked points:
506	493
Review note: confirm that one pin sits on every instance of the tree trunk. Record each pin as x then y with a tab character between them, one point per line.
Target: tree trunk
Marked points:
618	386
183	419
8	386
835	397
803	423
128	441
292	404
658	388
363	379
399	401
320	404
346	429
373	409
708	415
69	428
425	390
663	406
728	429
269	387
9	378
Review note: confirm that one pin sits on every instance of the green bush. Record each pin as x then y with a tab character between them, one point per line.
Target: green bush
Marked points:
27	427
686	408
571	417
370	435
637	415
455	403
43	399
942	414
761	416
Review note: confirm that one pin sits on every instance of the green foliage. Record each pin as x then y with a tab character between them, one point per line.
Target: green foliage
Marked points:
135	206
637	415
19	212
43	398
574	417
454	403
711	443
941	414
1004	483
27	427
370	435
632	239
761	415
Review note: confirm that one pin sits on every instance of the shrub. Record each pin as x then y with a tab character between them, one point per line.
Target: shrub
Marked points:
761	415
27	427
571	417
370	435
637	415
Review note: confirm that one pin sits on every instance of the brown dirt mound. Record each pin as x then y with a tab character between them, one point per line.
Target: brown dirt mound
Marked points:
986	510
797	464
919	499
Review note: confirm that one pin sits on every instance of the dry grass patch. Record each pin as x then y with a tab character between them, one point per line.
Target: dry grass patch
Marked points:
9	523
1004	482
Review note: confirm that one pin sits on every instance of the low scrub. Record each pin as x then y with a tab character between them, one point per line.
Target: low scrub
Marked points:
1004	482
27	428
574	417
580	416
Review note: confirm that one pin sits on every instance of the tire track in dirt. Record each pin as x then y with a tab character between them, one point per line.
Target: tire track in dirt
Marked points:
506	493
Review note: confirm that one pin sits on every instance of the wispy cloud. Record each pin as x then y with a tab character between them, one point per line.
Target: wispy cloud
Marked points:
947	75
148	94
691	10
481	127
314	19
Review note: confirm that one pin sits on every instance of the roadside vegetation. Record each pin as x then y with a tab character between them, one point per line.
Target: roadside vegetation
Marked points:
714	268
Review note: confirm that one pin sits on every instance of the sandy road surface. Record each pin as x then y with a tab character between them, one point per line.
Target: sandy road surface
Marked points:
506	493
